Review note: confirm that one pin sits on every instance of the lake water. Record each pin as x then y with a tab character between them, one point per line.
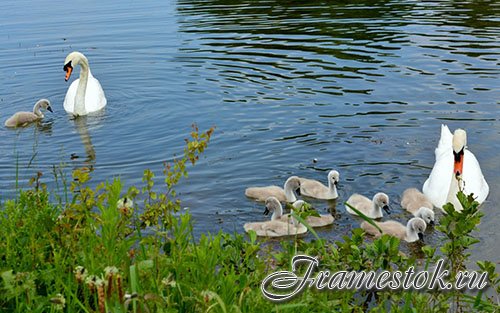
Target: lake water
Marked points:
361	86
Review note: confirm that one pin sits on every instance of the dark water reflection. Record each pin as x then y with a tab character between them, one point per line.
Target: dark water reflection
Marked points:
361	86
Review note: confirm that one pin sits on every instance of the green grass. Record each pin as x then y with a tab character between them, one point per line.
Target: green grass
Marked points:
89	255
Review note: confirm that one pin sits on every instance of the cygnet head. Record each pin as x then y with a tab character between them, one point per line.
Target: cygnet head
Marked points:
426	214
418	226
293	183
333	177
299	204
73	59
459	143
44	104
273	205
381	200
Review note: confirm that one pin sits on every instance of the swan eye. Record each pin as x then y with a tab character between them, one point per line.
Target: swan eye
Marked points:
67	66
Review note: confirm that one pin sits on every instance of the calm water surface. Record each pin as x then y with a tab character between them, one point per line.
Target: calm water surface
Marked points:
361	86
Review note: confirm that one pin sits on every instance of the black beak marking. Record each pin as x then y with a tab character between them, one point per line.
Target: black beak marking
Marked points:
266	212
297	191
67	65
431	223
421	237
49	109
386	209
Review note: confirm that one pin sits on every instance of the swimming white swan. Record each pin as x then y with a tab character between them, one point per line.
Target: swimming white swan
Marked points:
455	168
125	205
413	231
371	208
287	194
20	119
314	189
417	204
313	221
84	95
277	226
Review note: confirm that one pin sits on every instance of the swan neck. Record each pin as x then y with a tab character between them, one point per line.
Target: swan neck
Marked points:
278	212
82	86
37	111
452	193
377	210
332	188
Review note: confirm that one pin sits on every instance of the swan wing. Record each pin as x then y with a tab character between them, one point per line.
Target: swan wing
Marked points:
95	99
21	119
445	142
312	188
69	100
437	186
473	178
262	193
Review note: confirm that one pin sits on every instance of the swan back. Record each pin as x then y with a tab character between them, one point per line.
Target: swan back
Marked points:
412	200
262	193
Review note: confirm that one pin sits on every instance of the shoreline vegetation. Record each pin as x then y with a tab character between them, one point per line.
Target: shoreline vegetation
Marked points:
91	253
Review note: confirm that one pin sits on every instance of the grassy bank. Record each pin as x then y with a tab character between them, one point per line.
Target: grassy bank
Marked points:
92	254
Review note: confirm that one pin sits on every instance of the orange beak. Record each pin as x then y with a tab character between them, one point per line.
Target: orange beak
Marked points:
459	163
69	69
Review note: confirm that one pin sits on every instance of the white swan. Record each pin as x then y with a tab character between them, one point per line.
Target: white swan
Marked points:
277	226
413	231
21	119
287	194
84	95
125	205
313	221
418	204
314	189
371	208
456	168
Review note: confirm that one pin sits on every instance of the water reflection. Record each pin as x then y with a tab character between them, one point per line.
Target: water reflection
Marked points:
45	127
81	124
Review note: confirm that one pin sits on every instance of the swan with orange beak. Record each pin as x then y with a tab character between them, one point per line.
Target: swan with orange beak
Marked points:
456	169
85	94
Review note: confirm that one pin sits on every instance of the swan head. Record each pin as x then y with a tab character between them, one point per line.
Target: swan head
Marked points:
299	204
333	177
459	143
417	226
44	104
73	59
125	205
381	200
273	205
426	214
293	183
